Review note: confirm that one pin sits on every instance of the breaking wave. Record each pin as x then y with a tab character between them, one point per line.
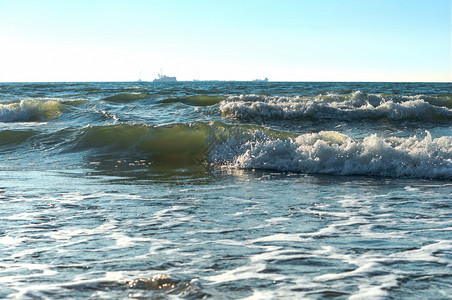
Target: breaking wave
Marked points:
34	109
335	153
255	147
354	106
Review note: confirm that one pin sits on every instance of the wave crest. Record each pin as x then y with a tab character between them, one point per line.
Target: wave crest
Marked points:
256	147
31	110
172	145
354	106
374	156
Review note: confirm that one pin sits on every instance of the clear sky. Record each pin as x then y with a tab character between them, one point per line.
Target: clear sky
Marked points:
284	40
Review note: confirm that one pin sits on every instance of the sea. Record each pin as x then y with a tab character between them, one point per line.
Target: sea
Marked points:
225	190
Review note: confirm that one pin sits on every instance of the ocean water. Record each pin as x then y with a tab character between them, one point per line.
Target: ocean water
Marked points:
225	190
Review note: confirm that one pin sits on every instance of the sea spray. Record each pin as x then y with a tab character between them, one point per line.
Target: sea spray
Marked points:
27	110
319	153
159	198
30	110
257	147
355	106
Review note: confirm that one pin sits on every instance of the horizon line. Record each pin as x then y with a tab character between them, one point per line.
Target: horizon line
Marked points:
219	80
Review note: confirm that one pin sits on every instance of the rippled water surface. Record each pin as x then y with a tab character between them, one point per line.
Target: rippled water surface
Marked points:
225	190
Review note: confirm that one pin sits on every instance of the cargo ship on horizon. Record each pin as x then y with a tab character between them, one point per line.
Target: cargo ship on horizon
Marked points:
164	78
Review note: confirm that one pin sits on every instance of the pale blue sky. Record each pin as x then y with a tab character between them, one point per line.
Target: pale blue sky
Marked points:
285	40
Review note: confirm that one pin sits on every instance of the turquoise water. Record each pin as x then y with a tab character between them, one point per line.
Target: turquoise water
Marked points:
226	190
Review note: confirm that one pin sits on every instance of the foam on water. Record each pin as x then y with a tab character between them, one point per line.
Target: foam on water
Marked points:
255	147
335	153
355	106
98	244
101	203
35	109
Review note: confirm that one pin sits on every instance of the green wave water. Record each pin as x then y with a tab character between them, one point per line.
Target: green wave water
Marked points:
198	100
256	147
127	97
12	138
214	190
33	110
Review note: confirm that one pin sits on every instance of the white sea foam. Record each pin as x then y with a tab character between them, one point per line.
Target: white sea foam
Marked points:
355	106
335	153
245	272
432	252
30	110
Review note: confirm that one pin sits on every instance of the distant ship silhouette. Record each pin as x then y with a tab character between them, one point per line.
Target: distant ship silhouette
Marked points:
265	79
164	78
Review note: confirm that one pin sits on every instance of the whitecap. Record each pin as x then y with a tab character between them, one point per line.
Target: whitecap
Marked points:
355	106
335	153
